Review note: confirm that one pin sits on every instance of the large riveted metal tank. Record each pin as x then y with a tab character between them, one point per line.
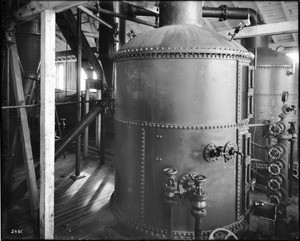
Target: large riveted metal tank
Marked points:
179	88
274	74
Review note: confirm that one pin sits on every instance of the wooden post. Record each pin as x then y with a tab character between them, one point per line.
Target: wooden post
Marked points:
98	123
25	136
47	128
86	131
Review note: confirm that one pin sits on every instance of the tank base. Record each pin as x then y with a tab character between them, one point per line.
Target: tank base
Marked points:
154	232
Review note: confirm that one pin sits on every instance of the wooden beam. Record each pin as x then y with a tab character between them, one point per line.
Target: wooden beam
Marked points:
25	136
208	24
90	13
235	4
68	26
47	128
288	17
34	8
266	29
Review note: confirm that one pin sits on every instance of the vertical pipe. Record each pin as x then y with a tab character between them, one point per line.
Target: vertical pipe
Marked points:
79	60
86	131
171	222
180	12
121	37
198	222
98	124
291	167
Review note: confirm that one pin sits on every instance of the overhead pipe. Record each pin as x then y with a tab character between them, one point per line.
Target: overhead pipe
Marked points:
180	12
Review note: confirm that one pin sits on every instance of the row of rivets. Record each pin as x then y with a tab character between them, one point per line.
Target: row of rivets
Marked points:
179	56
274	67
180	47
167	126
268	94
142	172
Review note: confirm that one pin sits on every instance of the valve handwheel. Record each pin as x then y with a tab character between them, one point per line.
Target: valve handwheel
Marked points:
221	232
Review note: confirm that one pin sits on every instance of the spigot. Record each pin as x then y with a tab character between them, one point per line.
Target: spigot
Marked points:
170	185
198	196
198	203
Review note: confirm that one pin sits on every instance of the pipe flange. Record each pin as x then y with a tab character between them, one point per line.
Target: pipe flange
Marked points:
274	184
276	151
277	128
230	151
210	153
186	182
274	169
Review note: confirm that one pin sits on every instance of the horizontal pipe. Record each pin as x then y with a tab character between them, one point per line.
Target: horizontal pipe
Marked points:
254	125
233	13
101	10
59	103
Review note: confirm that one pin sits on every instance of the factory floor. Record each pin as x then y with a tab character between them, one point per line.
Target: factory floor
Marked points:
82	206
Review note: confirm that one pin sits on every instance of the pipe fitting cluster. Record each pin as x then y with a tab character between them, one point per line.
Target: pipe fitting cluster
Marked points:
228	151
190	186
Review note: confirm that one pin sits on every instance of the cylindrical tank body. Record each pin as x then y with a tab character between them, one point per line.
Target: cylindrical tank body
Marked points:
178	89
28	39
274	74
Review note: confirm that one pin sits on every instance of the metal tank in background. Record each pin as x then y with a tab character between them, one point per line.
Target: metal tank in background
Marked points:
274	119
28	39
183	98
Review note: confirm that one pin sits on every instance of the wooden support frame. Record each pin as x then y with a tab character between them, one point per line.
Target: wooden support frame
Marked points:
47	128
288	17
25	136
34	8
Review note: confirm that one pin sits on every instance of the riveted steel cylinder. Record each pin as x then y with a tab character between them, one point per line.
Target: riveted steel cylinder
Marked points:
178	88
274	74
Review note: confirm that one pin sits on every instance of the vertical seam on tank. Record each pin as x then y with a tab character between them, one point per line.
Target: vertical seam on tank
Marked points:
142	173
239	164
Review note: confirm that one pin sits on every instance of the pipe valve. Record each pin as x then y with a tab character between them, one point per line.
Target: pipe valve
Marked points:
229	151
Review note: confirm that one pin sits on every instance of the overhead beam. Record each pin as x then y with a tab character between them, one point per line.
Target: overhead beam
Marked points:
68	26
34	8
288	17
47	127
266	29
90	13
235	4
